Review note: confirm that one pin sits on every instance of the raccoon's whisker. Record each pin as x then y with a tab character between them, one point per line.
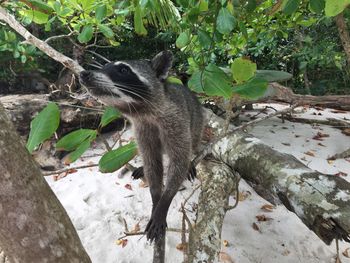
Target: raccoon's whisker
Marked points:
95	65
100	56
138	95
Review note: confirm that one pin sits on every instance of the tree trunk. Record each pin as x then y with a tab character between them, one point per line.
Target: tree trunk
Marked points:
34	225
217	185
344	35
279	93
321	201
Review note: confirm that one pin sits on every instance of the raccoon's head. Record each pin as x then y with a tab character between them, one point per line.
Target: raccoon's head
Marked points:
131	81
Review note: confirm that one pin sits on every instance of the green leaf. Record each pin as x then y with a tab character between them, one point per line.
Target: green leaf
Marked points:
101	12
195	83
86	34
106	31
204	38
73	156
73	139
242	69
115	159
43	126
251	5
273	75
203	6
86	4
40	5
251	89
225	22
174	80
243	29
290	6
23	59
183	40
335	7
317	6
138	23
36	16
110	114
213	81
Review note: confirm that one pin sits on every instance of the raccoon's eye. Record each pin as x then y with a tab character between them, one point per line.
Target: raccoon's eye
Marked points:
124	70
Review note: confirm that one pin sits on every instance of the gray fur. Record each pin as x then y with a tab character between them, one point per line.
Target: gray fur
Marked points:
168	119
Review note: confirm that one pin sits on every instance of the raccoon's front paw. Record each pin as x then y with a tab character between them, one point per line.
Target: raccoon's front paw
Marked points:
192	173
155	228
138	173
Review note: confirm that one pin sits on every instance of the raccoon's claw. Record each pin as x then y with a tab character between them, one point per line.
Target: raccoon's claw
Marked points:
192	173
138	173
155	228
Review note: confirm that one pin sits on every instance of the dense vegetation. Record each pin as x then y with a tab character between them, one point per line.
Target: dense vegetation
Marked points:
296	36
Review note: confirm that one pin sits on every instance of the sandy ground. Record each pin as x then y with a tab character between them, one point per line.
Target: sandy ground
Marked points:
99	203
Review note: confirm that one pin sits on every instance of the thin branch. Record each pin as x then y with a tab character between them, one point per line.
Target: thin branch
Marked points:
59	36
208	148
71	168
43	46
126	234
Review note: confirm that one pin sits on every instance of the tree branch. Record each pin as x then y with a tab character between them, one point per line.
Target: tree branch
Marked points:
43	46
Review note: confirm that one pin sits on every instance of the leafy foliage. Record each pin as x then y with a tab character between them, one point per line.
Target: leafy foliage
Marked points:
43	126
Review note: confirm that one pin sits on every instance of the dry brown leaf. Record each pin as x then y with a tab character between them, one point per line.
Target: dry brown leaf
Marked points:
346	252
243	195
225	243
262	217
226	258
346	131
320	144
303	158
341	174
337	260
339	111
286	143
143	184
286	252
136	228
310	153
128	186
319	136
181	246
255	227
330	161
122	242
267	208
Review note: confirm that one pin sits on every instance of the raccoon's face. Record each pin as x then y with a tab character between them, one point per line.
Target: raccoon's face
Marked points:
128	81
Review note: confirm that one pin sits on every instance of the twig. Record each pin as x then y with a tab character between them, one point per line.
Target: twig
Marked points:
230	207
59	36
71	168
126	234
191	194
43	46
208	148
100	56
183	236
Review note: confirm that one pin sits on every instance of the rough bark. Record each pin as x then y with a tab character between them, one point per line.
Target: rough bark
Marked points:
344	35
321	201
279	93
34	225
205	237
43	46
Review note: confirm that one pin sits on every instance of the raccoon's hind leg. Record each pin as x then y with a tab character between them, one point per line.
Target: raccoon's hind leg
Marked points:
192	173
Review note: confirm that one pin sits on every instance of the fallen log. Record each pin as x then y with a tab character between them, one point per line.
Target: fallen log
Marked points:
279	93
321	201
21	109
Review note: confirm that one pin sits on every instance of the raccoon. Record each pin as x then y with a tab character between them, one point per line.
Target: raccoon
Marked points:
167	119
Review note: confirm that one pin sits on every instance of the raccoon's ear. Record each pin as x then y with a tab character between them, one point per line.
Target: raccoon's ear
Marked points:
162	63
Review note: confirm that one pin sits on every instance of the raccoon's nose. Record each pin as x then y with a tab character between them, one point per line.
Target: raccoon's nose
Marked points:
85	75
